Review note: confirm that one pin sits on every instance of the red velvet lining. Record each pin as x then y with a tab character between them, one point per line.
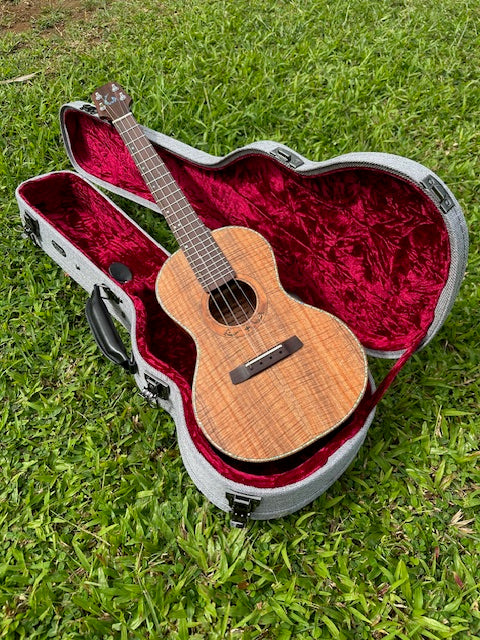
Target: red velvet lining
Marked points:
361	243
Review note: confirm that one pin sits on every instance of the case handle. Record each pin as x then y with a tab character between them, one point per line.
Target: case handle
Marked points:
104	331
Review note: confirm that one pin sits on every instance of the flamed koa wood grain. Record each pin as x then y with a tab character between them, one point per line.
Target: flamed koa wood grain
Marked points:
290	404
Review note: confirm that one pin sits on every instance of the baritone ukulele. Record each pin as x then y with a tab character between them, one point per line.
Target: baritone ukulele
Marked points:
272	374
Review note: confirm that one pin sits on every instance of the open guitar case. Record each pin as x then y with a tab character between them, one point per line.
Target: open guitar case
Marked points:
375	239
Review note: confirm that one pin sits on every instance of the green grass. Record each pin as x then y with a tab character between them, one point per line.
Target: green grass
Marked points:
103	535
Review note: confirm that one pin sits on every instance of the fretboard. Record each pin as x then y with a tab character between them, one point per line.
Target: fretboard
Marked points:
205	257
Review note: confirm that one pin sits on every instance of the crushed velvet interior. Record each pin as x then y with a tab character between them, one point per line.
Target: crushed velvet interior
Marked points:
362	244
94	226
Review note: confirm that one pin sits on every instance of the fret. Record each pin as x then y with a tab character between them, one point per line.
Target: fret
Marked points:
128	129
197	244
181	215
213	277
192	233
183	207
144	159
133	143
202	240
160	189
205	257
187	224
211	284
172	192
213	281
204	263
148	161
147	172
139	136
206	271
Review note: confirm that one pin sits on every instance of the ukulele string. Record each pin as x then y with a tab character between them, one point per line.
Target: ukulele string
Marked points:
281	381
145	169
142	162
248	334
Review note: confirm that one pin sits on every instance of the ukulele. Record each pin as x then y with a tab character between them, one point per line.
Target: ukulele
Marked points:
272	374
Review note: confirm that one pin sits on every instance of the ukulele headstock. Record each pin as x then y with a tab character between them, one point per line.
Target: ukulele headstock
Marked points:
111	101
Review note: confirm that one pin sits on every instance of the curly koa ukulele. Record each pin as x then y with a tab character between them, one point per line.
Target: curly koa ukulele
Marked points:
272	374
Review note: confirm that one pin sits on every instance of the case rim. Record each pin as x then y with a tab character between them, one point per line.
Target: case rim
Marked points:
228	495
406	169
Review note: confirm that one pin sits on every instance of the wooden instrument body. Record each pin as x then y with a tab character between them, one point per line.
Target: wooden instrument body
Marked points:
288	405
272	375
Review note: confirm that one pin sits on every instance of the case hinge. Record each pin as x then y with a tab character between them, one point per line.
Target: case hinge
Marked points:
286	157
445	202
155	390
241	508
89	108
32	229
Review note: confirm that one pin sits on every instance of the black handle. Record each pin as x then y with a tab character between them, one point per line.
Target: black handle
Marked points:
104	331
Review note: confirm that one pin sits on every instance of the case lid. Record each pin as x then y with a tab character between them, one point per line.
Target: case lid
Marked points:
375	239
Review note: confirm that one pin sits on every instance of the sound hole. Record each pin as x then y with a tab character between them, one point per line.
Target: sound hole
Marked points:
232	303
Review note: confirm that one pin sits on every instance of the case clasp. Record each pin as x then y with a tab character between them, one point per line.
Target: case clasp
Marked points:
287	157
155	390
445	202
242	507
89	108
32	229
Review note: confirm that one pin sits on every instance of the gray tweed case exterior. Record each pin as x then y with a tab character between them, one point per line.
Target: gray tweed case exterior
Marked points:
243	500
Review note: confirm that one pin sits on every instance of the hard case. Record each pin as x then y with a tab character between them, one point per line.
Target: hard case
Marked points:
376	239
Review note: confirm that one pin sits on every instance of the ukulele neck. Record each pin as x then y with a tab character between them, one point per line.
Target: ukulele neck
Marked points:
205	257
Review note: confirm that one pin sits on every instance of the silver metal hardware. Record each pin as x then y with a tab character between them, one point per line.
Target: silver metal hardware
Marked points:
32	229
60	249
287	157
432	185
88	108
154	391
242	507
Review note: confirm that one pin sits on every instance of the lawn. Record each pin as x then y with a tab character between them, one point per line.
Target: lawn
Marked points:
103	534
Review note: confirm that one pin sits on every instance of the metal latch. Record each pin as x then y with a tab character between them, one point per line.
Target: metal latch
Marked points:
445	202
32	229
89	108
287	157
155	390
241	508
111	296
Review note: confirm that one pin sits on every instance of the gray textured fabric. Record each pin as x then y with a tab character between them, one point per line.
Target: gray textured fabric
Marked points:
275	502
403	167
279	501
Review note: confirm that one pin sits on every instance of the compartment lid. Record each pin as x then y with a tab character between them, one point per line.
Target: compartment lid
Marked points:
376	239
